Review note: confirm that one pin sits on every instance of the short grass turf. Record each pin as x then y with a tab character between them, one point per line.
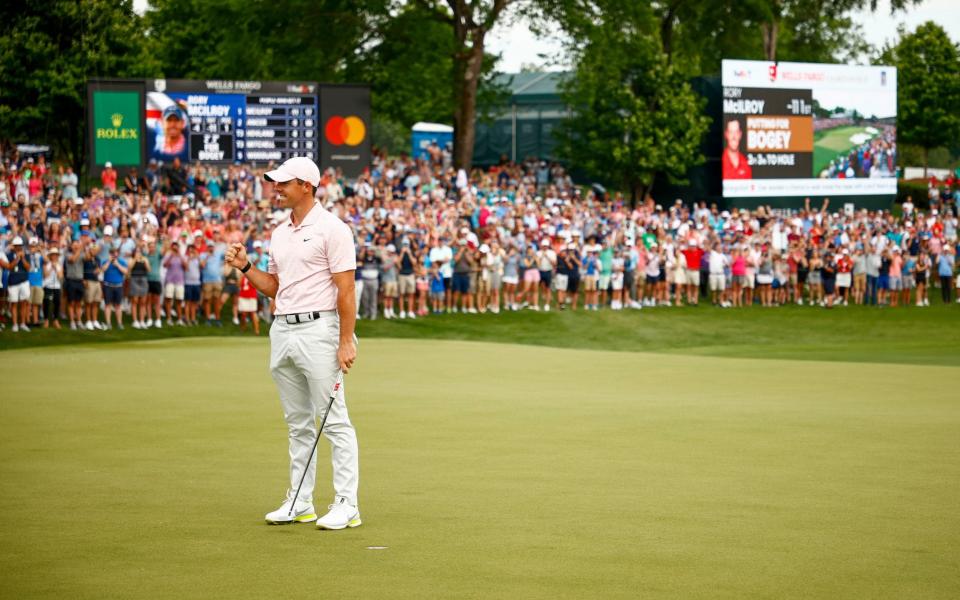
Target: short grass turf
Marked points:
143	470
830	143
854	333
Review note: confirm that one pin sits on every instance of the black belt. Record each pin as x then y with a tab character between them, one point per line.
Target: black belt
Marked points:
295	318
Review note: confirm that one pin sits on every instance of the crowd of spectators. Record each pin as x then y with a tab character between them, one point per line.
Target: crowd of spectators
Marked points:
147	249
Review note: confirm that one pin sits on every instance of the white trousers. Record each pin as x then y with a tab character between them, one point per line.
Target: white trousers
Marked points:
303	362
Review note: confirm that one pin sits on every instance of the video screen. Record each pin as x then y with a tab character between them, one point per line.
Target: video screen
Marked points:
226	121
804	129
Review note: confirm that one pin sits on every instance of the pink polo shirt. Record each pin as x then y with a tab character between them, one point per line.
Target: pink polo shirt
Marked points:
305	256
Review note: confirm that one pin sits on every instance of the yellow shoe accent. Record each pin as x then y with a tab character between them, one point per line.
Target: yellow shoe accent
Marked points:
355	523
305	518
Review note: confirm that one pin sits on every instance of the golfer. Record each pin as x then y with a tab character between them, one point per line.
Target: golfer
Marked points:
310	275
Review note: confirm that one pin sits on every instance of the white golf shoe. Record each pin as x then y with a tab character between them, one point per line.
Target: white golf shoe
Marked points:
341	516
302	513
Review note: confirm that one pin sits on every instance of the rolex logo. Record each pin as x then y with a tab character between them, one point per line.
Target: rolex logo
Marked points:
116	119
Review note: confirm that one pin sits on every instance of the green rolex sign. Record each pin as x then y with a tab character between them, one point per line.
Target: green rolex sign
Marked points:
116	128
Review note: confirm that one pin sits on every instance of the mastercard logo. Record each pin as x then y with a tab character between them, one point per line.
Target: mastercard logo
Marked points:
345	130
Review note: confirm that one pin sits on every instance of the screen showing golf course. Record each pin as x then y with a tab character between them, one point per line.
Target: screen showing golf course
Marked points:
804	129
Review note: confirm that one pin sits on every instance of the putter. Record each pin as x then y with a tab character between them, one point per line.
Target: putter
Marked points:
333	396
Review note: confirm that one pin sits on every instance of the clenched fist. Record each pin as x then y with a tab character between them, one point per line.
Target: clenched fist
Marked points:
236	256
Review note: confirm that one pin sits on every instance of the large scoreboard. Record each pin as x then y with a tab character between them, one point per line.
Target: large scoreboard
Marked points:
225	121
792	130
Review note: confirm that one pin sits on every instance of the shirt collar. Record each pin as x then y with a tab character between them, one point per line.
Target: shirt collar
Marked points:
309	219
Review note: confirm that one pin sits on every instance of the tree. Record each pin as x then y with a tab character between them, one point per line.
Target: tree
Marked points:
928	80
635	116
48	50
312	40
470	22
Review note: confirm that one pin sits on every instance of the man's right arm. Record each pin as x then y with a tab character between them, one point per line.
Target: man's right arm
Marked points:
266	283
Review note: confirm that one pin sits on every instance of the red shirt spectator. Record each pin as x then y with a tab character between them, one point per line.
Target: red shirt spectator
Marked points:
693	256
109	178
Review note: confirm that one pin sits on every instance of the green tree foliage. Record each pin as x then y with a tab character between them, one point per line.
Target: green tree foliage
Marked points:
469	22
314	40
409	69
928	80
636	117
48	50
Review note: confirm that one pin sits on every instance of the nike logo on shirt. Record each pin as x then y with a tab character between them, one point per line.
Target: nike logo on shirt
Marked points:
307	239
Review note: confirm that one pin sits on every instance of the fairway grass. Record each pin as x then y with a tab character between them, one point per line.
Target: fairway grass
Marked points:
143	470
830	143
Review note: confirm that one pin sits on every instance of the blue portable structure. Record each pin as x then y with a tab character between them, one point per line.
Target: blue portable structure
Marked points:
425	134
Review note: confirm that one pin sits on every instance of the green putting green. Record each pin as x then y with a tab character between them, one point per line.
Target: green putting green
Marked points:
143	470
831	143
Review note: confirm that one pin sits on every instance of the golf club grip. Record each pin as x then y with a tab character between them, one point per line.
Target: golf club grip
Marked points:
333	396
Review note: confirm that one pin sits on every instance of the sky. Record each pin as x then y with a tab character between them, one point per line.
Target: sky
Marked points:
519	46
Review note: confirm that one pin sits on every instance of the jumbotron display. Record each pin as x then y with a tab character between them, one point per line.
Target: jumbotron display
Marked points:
223	121
802	129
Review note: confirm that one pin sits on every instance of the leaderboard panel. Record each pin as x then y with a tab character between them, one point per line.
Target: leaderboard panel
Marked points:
219	121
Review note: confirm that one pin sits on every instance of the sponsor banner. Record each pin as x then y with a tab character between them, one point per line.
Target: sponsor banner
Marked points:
345	128
754	188
116	128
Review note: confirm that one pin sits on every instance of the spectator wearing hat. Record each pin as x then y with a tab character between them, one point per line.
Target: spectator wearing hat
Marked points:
114	272
442	256
139	287
18	285
945	265
546	263
717	262
844	275
52	282
92	290
108	177
35	277
693	255
463	261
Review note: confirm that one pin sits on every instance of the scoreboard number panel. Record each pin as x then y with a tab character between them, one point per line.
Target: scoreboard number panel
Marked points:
225	121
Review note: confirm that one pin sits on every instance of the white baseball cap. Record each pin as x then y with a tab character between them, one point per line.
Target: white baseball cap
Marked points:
108	164
108	230
257	244
298	167
17	241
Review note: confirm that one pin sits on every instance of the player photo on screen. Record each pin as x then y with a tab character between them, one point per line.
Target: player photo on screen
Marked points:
167	128
735	165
